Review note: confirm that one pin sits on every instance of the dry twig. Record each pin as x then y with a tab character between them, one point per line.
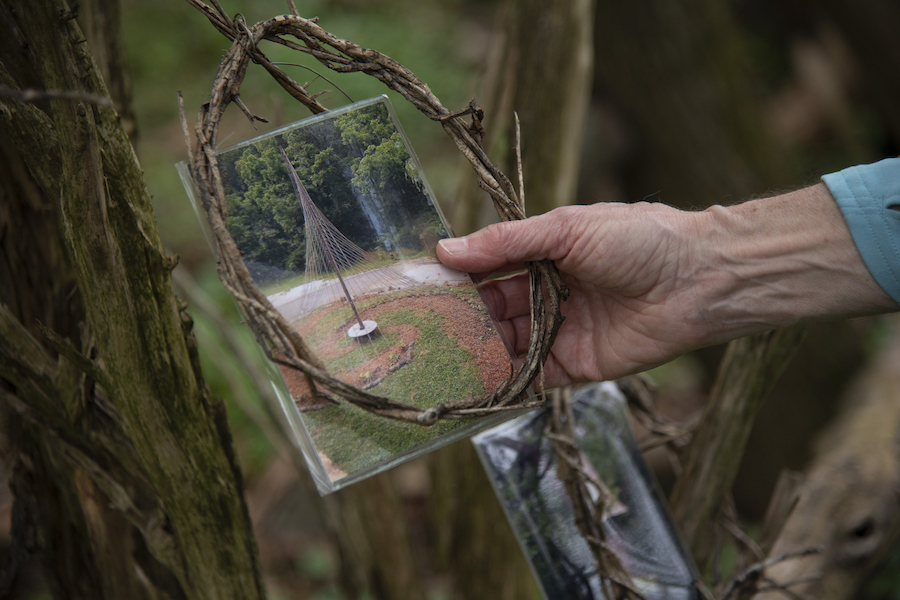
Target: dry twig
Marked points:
640	392
519	163
30	96
750	579
614	579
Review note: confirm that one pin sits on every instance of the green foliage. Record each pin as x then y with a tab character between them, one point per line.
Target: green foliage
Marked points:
356	169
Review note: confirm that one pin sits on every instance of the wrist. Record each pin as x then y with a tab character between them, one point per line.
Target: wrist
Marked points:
777	261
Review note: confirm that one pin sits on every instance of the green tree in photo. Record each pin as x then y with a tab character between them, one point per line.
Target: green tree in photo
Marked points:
384	169
263	219
324	166
357	170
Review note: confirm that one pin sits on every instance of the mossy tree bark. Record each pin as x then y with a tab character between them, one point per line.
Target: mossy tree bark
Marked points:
124	477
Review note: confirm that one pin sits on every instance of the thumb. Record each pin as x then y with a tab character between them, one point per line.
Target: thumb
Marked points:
503	246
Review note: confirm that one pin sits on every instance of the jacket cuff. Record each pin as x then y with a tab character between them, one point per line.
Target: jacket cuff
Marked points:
865	195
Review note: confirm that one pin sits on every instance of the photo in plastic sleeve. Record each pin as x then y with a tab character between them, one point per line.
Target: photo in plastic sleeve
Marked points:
522	466
338	228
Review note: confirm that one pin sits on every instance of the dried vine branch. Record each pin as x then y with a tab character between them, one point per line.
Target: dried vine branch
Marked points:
283	344
614	579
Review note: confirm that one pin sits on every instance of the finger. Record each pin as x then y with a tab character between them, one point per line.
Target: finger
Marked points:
509	297
519	331
503	245
554	375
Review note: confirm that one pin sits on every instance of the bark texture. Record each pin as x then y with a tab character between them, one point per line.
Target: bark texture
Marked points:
123	460
848	505
749	370
373	533
539	66
473	539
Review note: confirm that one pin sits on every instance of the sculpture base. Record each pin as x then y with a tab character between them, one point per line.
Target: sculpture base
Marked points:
362	334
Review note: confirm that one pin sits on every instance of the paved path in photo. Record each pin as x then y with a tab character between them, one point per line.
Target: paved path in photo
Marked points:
296	301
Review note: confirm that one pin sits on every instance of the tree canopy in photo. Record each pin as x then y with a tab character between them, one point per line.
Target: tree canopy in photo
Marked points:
358	172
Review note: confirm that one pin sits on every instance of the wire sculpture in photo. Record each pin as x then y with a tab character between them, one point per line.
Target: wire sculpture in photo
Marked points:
328	253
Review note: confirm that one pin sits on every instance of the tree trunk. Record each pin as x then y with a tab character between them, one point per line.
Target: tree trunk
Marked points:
473	539
101	22
749	370
848	504
373	532
539	67
124	478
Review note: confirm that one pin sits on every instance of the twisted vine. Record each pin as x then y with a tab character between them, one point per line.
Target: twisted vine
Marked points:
284	345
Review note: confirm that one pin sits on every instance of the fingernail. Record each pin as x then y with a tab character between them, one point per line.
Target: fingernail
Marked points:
454	245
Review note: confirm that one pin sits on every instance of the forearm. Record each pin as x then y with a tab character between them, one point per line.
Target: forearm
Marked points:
777	261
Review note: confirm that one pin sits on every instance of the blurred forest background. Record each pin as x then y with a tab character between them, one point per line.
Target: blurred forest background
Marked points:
689	103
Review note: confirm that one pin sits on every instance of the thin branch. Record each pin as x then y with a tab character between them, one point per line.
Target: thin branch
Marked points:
784	587
614	579
754	572
252	117
184	125
221	12
519	163
346	95
655	440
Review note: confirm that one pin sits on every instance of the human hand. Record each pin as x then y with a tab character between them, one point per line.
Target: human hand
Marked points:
631	275
649	282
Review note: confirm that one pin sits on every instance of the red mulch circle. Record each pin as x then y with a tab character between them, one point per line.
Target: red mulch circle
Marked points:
470	327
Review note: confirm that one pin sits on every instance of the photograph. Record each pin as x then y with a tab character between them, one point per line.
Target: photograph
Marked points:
338	228
522	466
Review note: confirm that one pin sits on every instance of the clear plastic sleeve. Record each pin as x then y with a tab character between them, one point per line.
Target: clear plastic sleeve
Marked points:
338	227
522	466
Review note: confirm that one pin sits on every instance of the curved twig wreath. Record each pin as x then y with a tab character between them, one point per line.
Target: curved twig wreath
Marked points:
283	344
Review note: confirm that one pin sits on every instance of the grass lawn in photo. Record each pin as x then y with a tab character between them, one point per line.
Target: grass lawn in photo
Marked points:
338	228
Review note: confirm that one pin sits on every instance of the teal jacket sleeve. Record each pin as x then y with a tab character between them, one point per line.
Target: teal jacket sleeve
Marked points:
869	198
